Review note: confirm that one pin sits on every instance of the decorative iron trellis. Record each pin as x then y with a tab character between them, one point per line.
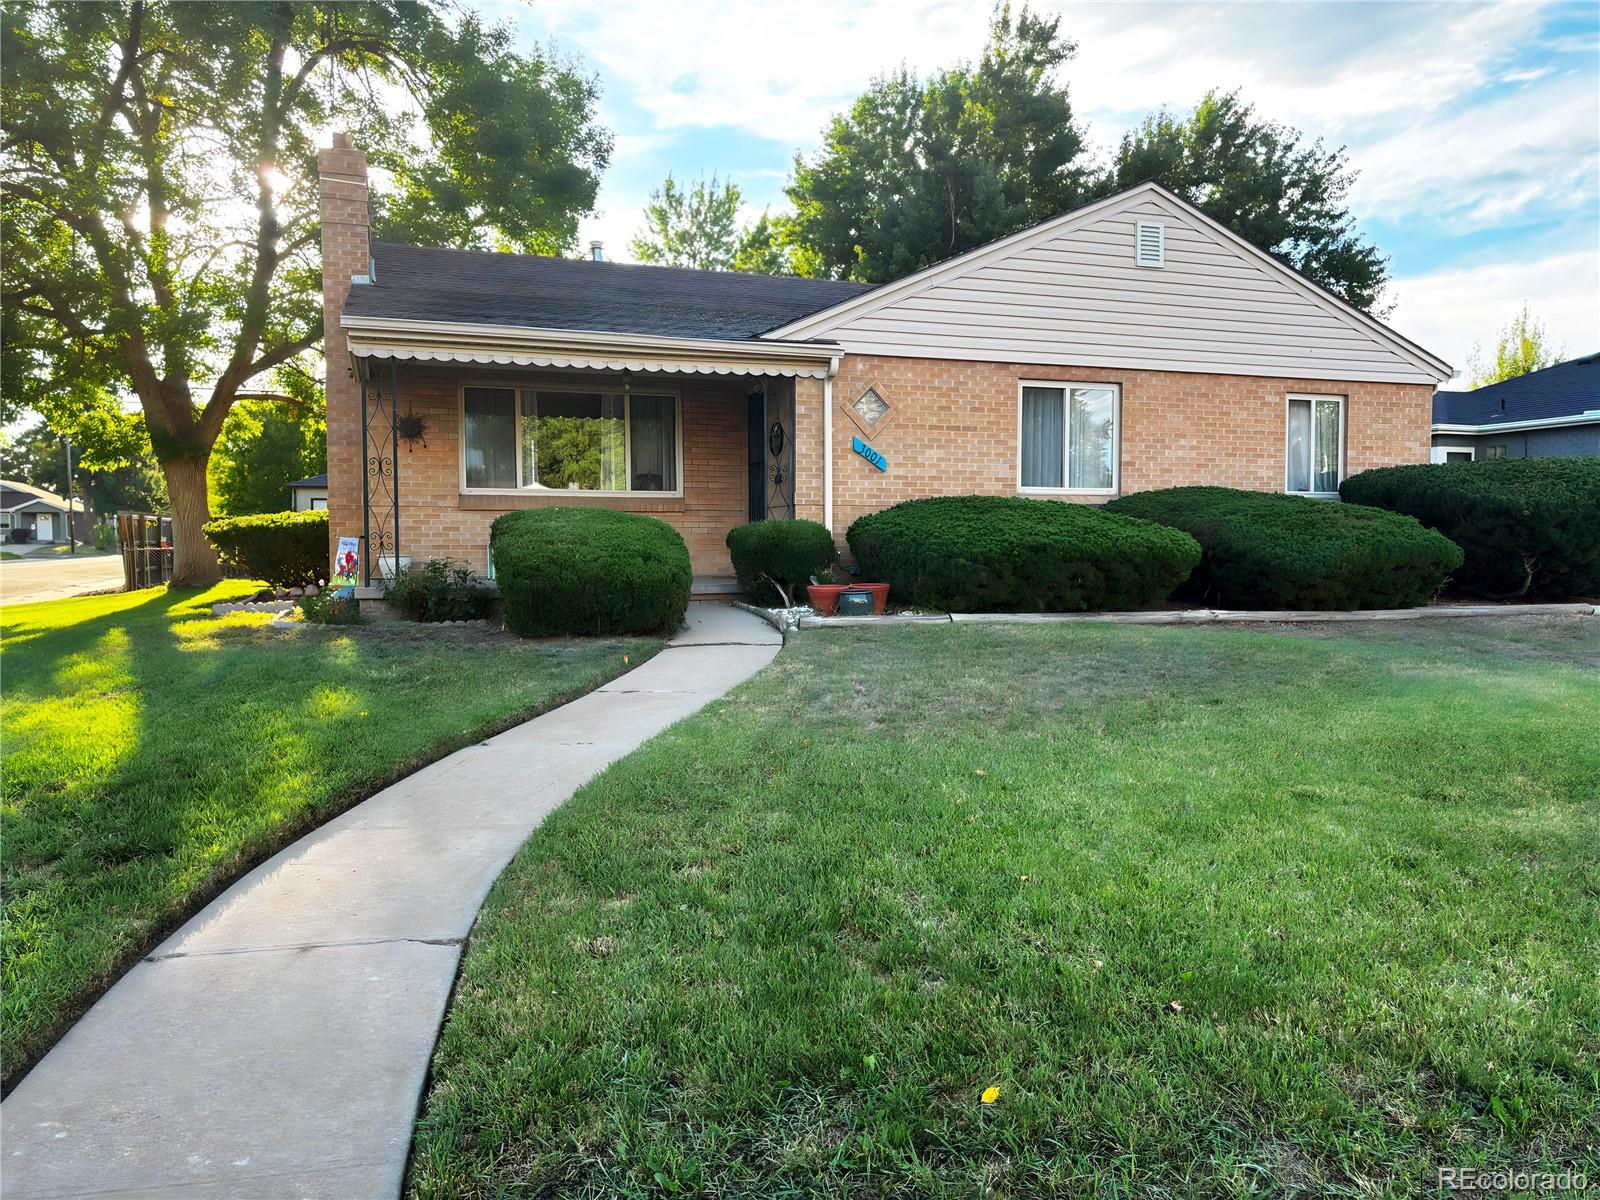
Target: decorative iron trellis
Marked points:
380	480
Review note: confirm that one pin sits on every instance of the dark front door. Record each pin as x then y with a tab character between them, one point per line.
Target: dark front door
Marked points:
756	438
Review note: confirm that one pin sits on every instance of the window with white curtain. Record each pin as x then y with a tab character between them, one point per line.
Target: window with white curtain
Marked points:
570	440
1315	451
1068	437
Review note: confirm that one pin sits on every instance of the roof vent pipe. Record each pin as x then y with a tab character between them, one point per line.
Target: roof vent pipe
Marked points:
597	251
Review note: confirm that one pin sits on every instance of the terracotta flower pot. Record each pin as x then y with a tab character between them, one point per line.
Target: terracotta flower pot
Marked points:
880	594
824	597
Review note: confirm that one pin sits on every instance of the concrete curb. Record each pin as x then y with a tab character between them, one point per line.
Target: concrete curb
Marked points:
1201	616
769	615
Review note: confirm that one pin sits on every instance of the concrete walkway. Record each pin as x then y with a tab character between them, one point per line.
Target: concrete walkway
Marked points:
277	1044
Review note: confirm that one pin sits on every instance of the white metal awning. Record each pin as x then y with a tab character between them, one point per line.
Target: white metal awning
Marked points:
495	345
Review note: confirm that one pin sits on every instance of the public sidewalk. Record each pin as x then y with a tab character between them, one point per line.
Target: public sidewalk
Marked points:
277	1044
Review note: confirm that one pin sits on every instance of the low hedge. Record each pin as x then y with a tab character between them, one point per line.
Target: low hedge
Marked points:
1008	554
589	571
1529	526
439	590
286	549
1264	550
769	555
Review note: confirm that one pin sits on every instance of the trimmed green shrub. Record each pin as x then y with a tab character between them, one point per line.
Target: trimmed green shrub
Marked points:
326	608
1009	554
589	571
1265	550
1529	526
286	549
772	557
439	590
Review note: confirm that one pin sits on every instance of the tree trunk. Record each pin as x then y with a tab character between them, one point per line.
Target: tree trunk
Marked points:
194	562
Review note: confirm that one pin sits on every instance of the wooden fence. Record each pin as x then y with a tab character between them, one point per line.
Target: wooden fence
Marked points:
146	540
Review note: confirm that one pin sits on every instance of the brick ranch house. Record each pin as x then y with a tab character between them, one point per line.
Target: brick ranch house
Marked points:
1132	343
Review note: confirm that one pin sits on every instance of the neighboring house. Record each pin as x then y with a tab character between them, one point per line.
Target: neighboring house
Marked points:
1553	412
306	494
31	514
1132	343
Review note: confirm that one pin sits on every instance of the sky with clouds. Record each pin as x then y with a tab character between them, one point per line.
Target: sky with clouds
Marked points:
1475	128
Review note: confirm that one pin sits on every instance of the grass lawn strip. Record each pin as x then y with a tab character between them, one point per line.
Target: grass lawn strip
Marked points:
1216	910
153	753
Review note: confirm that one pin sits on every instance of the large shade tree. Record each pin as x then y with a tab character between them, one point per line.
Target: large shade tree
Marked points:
160	218
919	170
694	226
1263	180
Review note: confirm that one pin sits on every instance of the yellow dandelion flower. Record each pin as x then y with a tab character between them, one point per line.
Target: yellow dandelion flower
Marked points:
991	1094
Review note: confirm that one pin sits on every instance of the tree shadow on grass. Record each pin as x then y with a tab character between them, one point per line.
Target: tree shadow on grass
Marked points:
156	753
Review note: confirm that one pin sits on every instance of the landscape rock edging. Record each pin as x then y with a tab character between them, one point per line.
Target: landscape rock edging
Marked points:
1196	616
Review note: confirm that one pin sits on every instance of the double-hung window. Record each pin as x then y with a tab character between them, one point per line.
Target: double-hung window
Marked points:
1068	437
1315	448
569	440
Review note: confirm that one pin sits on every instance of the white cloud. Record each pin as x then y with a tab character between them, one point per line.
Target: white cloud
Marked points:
1450	311
1487	164
1394	82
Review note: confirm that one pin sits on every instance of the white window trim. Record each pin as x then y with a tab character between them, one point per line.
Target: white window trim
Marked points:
1064	386
614	387
1313	396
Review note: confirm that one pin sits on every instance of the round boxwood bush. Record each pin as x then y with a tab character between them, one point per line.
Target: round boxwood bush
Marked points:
769	555
1530	527
1264	550
1009	554
589	571
286	549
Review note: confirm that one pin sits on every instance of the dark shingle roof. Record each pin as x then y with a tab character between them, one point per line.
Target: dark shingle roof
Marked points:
311	481
1564	390
423	283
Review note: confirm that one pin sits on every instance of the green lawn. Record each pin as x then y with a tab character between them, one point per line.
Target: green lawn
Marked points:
152	753
1217	911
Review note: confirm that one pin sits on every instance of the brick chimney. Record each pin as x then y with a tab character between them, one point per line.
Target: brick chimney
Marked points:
346	255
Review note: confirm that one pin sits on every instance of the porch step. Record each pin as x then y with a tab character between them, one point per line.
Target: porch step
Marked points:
715	587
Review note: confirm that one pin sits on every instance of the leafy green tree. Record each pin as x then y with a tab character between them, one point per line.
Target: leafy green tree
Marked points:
159	185
695	226
919	170
578	452
1263	181
265	445
1523	347
38	455
765	247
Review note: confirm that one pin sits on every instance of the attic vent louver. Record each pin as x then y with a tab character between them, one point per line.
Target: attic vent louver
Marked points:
1150	244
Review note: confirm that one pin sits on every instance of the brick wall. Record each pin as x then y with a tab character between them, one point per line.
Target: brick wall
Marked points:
953	429
439	520
345	252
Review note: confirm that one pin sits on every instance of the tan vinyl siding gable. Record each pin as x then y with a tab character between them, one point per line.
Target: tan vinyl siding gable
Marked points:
1078	297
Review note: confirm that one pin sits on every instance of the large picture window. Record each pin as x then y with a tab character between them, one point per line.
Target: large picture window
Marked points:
1316	445
552	439
1068	437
